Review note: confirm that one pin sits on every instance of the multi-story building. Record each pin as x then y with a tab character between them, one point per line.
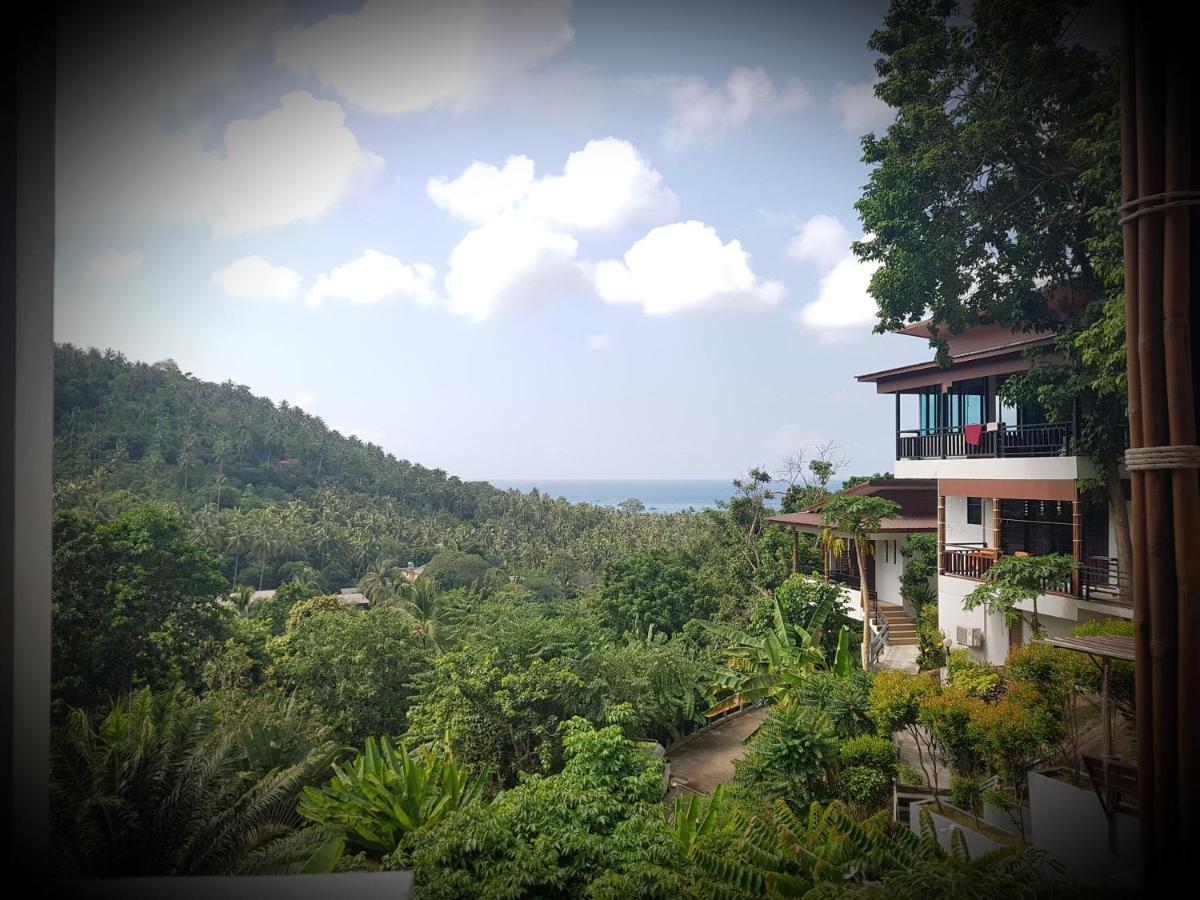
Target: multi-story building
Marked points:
1007	483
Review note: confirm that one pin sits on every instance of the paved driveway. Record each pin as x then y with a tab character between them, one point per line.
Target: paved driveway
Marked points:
706	760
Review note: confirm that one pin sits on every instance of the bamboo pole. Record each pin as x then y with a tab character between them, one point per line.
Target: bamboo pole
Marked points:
1159	567
1141	616
1180	399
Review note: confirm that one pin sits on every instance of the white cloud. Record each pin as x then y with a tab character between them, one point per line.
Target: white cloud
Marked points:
858	107
112	264
599	343
702	114
253	278
392	58
843	306
822	239
681	267
523	248
514	259
483	191
601	186
373	277
294	163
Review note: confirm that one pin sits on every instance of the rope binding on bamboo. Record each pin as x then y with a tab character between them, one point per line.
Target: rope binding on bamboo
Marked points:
1184	456
1157	203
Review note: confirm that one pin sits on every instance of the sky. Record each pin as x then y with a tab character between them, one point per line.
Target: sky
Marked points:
530	239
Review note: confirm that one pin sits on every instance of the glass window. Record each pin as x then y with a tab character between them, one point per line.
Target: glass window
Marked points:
974	510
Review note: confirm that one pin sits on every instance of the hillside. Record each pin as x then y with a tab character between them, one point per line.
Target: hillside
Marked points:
163	432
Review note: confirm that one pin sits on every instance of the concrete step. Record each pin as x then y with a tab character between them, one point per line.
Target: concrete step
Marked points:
902	629
902	640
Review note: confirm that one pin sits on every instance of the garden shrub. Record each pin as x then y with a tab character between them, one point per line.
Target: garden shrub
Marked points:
790	755
871	751
975	679
866	790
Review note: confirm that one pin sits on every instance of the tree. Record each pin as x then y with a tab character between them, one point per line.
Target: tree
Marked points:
456	569
159	788
632	506
808	472
136	602
650	587
1020	579
789	756
992	185
855	517
353	671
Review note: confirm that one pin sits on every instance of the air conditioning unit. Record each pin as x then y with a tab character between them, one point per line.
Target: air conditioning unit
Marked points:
968	637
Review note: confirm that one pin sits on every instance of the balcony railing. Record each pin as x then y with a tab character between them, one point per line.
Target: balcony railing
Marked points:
1100	579
1051	439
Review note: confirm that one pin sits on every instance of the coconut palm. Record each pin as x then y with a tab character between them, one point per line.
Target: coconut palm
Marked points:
160	788
431	611
379	583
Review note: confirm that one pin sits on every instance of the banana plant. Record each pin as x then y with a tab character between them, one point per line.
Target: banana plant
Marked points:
771	666
387	792
694	818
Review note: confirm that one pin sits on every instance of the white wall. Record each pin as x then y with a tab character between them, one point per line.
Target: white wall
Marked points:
957	529
1066	468
1057	615
889	566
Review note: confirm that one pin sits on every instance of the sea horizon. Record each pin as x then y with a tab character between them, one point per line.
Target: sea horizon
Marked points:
660	495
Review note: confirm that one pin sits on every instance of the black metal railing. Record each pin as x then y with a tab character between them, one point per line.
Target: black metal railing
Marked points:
1101	580
1050	439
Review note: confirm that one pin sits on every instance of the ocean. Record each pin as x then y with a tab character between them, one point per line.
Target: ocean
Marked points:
662	495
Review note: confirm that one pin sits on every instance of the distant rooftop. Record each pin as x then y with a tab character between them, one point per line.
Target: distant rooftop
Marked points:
917	498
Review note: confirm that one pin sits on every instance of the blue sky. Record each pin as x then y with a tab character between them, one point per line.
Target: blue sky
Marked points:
523	240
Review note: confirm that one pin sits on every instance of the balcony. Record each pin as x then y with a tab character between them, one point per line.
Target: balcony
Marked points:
1099	578
1020	441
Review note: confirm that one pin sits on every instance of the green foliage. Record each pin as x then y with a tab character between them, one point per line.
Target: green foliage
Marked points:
1020	579
158	787
975	679
789	755
843	699
863	789
1120	674
455	569
967	792
694	817
386	792
353	671
931	650
799	597
662	680
558	835
772	665
135	602
920	569
651	587
957	194
871	751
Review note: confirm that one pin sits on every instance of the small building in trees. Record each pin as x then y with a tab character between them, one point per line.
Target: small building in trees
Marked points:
1007	484
917	502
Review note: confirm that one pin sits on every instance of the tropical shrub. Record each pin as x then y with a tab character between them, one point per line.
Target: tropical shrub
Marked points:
596	828
844	699
1018	579
386	792
920	569
790	755
799	597
159	787
931	651
863	789
871	751
896	705
651	587
974	679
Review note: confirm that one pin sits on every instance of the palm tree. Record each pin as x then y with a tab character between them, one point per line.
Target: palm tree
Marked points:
430	610
265	544
238	542
855	516
243	601
379	582
160	788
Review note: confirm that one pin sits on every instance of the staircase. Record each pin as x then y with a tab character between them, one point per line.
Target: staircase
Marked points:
901	650
902	630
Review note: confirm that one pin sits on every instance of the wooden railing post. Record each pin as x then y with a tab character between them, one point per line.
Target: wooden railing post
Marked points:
1076	545
941	533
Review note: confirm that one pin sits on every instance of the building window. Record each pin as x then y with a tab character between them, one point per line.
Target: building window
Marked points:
974	510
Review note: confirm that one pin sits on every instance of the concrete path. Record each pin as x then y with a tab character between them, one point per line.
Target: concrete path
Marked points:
705	760
901	657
